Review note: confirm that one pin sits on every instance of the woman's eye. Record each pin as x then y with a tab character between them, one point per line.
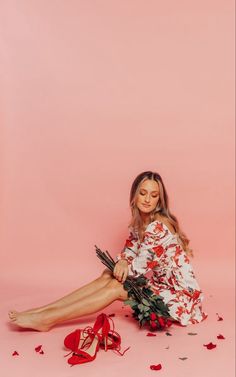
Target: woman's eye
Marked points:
154	196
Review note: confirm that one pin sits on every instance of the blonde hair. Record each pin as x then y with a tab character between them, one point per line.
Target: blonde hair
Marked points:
161	209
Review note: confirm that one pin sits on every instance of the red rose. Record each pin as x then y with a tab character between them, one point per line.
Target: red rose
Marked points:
153	316
161	321
153	325
168	323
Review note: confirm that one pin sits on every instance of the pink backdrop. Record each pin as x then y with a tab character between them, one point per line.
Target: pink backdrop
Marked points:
93	93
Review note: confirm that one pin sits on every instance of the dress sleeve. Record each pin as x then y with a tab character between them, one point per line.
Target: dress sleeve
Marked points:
188	295
129	250
144	256
149	251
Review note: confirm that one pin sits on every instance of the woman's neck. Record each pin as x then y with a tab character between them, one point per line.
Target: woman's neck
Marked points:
145	219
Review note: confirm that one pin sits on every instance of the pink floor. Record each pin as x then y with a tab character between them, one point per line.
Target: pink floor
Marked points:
144	351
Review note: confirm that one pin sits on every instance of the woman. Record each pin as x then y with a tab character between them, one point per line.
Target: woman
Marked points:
157	244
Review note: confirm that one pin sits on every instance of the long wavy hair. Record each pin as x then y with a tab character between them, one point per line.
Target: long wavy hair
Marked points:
162	208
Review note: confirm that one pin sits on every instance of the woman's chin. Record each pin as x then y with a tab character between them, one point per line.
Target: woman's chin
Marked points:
146	211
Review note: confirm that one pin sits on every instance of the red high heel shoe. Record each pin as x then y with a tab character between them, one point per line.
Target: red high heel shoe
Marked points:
91	340
115	341
90	354
73	341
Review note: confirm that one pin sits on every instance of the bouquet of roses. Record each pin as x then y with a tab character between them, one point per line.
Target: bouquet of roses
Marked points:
147	307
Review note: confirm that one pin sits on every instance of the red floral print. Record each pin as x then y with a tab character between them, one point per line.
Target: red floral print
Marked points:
158	250
172	274
152	264
128	243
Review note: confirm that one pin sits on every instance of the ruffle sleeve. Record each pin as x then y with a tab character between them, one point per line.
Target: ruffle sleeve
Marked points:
129	251
144	256
186	304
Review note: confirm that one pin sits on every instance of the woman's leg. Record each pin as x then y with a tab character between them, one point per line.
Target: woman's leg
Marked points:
44	320
76	295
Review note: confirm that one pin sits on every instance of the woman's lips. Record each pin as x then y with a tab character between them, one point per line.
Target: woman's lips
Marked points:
146	205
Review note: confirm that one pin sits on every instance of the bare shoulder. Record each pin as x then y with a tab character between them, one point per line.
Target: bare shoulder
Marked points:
166	221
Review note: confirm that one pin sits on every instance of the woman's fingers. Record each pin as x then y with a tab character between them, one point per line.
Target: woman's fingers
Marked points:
120	272
125	276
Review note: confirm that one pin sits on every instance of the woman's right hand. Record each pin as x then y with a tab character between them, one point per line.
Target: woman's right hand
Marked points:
121	270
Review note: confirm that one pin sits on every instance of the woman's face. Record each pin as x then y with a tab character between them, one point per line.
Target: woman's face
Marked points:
147	196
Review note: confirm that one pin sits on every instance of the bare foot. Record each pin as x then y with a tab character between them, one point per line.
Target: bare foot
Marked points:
36	321
33	310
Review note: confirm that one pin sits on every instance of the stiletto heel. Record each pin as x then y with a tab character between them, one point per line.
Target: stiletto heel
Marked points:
85	343
115	340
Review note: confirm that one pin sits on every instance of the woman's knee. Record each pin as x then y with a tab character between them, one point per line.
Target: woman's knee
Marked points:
107	275
117	287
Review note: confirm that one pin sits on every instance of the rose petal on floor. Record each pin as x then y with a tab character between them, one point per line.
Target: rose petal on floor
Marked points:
38	348
156	367
210	346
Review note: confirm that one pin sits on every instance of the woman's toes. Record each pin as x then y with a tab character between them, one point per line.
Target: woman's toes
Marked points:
12	314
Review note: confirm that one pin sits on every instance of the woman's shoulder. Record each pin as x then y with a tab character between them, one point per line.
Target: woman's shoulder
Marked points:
160	219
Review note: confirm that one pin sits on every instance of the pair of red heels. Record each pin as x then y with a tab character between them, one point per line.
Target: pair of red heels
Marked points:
84	344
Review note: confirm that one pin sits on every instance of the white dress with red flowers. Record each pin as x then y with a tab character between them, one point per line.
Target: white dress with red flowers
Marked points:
172	274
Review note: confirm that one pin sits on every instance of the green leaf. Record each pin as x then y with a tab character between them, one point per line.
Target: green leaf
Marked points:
141	307
130	302
145	302
143	321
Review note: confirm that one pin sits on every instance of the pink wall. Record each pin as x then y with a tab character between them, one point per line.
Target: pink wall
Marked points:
94	92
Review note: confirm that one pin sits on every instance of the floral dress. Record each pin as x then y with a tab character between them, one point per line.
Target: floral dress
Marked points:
172	275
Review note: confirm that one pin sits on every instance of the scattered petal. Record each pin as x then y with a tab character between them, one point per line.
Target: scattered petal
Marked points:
15	353
126	315
219	318
41	352
111	315
183	358
192	333
37	349
168	334
220	336
151	334
210	346
166	348
156	367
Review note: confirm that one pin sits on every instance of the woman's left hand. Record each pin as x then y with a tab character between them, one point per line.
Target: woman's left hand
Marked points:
121	270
